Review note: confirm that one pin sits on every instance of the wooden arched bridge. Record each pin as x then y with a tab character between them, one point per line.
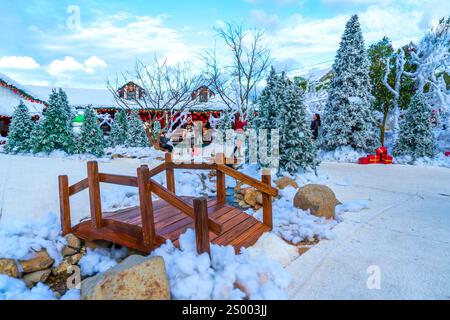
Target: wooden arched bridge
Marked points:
150	225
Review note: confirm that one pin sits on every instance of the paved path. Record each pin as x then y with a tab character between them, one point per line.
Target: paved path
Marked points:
405	234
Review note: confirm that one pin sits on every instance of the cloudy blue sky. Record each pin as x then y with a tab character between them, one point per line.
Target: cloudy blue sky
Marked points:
81	43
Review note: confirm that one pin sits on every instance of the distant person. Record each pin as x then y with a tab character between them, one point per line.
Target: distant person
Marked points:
164	142
315	125
207	134
239	128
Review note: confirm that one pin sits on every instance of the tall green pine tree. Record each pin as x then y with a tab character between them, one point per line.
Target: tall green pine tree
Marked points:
297	149
136	136
119	129
347	118
55	130
91	139
416	137
20	130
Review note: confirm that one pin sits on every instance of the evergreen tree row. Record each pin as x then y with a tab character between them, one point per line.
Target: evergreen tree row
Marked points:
54	131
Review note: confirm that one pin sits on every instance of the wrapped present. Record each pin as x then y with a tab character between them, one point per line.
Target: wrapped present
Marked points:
363	160
387	161
381	150
387	157
374	158
447	153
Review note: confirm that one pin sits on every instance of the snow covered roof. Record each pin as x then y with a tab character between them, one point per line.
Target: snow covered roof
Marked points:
103	98
11	93
78	97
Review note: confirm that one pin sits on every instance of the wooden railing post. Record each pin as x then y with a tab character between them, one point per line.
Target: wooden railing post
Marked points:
170	173
94	194
64	205
267	200
201	225
220	180
145	197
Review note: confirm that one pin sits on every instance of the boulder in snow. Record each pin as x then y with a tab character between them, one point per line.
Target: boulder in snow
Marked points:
320	200
40	261
284	182
36	277
136	278
73	242
9	268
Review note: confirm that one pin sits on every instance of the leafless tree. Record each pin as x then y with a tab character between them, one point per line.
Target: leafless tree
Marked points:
167	88
248	62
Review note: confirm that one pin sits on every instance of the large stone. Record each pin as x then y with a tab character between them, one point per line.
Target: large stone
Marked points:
73	242
250	197
36	277
284	182
66	265
40	261
320	200
68	251
136	278
9	268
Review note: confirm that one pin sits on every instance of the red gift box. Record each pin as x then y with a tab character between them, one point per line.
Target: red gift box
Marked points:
387	157
363	160
386	161
374	158
447	153
381	150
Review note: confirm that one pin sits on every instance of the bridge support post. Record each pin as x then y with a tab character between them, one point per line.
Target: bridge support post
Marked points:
170	172
146	205
201	225
64	205
94	194
267	200
220	180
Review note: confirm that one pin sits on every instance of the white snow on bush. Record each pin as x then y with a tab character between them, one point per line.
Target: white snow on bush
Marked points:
341	154
20	239
100	260
200	277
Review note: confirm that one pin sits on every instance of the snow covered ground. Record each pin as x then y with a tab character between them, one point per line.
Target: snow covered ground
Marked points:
404	237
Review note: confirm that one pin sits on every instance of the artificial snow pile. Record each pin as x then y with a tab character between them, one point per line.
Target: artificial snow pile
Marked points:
15	289
134	152
99	260
222	276
344	154
295	225
21	238
439	161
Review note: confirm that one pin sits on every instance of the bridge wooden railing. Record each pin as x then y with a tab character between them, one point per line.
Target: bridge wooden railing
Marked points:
198	211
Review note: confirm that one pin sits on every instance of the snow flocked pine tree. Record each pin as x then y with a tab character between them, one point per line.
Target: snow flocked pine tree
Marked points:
54	132
119	129
136	136
91	139
297	149
347	118
416	137
19	137
268	112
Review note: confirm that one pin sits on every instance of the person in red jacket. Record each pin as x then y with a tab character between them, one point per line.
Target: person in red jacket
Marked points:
239	127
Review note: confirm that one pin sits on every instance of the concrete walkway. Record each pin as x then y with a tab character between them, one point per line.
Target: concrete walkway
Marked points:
403	240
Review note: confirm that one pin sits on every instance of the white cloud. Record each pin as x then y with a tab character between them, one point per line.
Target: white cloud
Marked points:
94	63
263	19
124	37
69	65
19	63
311	41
